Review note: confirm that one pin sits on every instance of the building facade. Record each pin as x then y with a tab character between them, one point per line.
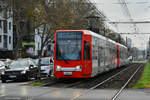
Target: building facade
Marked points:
6	30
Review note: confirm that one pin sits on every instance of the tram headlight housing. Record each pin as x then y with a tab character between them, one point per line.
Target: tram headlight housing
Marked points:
79	68
58	68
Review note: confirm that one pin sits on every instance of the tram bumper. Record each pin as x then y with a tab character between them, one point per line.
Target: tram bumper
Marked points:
77	68
70	72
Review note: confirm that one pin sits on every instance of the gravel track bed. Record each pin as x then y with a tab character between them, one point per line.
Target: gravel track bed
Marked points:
94	81
122	78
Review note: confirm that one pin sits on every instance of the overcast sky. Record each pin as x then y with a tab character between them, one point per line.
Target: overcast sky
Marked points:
139	10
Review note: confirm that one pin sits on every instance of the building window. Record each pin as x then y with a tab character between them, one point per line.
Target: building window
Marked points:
0	38
9	25
9	39
5	41
5	26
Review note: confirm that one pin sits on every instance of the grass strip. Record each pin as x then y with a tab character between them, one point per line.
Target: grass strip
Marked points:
37	83
144	81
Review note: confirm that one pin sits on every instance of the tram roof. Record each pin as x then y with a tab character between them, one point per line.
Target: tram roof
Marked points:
100	36
93	34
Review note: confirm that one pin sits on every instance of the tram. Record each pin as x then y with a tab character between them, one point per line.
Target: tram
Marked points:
85	54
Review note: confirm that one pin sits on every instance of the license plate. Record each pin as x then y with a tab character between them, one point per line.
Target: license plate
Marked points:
12	76
67	73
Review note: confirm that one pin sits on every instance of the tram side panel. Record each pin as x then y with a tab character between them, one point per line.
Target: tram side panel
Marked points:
101	55
94	56
118	55
122	55
113	55
87	56
98	56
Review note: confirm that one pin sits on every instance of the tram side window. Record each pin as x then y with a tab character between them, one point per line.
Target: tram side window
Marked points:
86	51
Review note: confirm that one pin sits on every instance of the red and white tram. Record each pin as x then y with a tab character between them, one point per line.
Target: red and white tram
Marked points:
85	54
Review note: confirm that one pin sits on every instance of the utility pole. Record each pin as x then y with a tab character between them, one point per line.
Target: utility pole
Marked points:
126	41
104	32
39	68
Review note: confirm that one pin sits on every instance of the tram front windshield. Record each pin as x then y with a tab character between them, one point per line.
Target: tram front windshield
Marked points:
68	45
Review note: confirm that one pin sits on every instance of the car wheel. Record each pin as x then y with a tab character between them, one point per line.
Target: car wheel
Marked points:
36	76
26	77
3	81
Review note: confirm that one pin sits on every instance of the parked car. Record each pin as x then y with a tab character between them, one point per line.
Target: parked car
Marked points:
2	67
22	69
8	62
46	65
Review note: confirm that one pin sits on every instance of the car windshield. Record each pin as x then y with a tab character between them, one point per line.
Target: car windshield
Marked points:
45	61
20	64
68	45
36	61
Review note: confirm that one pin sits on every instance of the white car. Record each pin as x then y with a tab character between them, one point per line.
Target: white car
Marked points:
46	65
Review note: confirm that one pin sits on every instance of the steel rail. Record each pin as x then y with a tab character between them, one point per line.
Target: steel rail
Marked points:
119	92
86	91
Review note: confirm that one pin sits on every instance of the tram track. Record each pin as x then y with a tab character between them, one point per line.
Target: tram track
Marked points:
99	84
93	81
123	87
81	83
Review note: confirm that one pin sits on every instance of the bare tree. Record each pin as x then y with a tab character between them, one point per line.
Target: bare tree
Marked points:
58	15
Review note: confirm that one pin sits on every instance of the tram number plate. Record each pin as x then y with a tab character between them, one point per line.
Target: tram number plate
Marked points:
67	73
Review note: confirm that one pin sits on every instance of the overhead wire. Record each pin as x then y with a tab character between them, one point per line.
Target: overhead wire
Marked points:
117	3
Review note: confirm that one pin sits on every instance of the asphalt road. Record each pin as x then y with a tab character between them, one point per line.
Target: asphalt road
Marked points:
20	91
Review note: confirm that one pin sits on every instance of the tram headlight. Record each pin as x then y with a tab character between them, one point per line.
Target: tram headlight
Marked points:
58	68
78	68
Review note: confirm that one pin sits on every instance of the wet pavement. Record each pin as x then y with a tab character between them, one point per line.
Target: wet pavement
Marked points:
20	91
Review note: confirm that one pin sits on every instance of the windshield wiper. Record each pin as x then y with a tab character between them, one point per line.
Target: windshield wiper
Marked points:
65	60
